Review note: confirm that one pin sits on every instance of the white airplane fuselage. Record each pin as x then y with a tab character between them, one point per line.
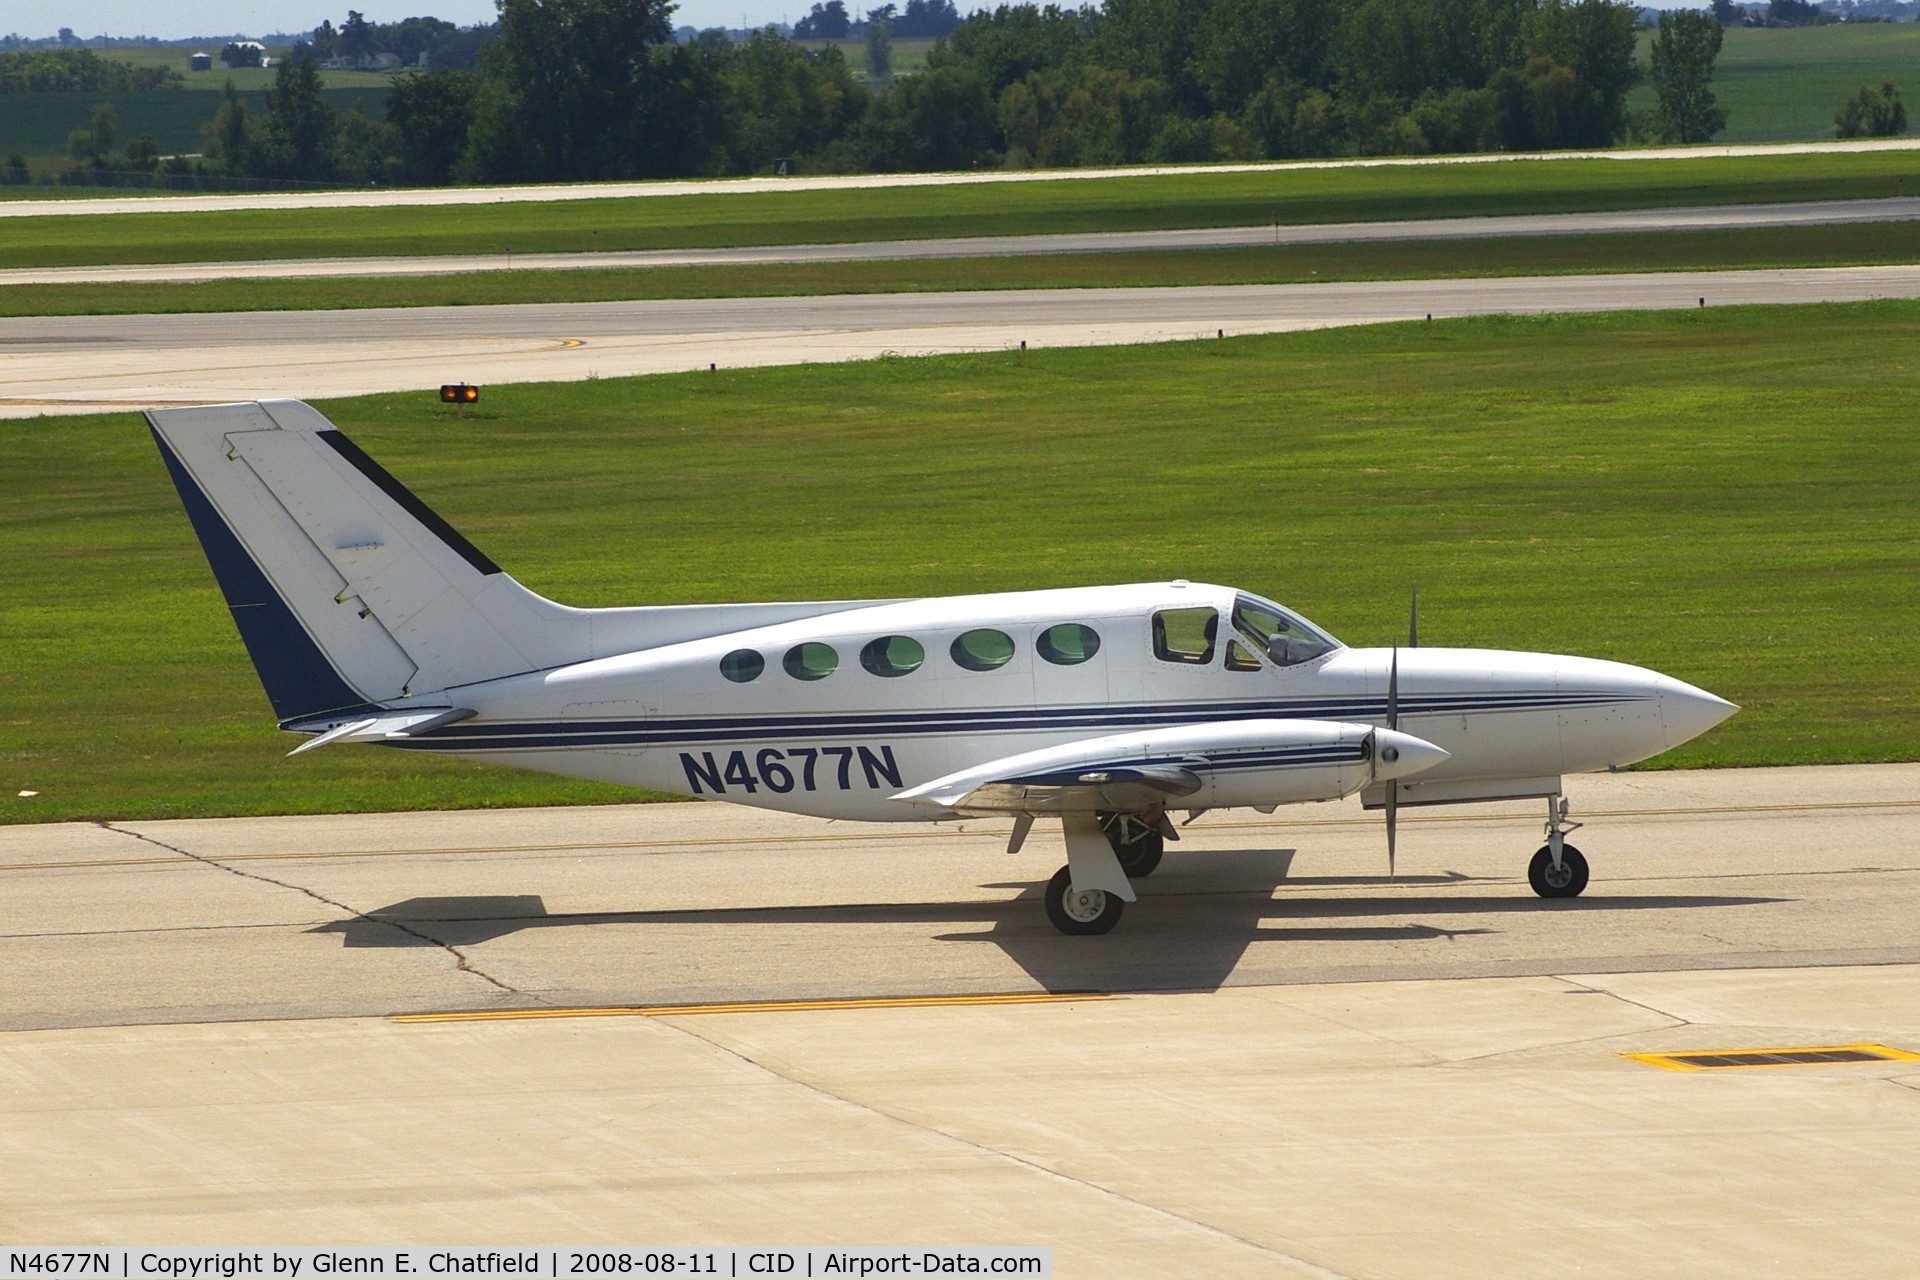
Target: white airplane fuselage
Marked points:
845	744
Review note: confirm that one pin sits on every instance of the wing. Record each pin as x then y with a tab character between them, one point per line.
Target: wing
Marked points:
1199	766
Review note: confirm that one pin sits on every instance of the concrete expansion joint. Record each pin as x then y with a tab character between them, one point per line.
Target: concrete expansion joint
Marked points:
1297	1264
461	962
1673	1018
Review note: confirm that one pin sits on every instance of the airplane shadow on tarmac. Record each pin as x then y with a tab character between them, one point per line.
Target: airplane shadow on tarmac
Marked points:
1196	917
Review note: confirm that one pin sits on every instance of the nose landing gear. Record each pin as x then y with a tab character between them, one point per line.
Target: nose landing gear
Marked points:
1558	870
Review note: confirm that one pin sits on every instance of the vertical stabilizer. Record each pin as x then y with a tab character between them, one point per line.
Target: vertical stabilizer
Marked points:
347	589
351	593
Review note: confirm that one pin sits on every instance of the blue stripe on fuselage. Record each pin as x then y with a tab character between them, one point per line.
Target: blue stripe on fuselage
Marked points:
671	732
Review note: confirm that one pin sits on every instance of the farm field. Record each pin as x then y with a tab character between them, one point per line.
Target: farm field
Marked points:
37	124
1856	245
1784	84
808	215
1722	495
909	56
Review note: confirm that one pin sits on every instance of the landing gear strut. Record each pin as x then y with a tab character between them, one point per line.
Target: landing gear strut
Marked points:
1137	841
1558	870
1087	911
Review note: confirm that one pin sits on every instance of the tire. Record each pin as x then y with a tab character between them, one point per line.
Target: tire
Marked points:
1573	873
1080	915
1140	854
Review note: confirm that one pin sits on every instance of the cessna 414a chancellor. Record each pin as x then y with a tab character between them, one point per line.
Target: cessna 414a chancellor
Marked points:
371	620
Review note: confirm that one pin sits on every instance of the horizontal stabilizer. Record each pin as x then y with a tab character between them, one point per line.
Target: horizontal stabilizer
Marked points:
393	724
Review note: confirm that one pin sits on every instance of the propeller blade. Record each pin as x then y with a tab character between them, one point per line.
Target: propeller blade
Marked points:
1393	800
1413	620
1393	722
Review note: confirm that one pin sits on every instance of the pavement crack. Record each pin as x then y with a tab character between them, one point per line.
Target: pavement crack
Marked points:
1673	1018
1302	1265
460	958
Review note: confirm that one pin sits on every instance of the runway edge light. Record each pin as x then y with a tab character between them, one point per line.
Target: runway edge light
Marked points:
459	393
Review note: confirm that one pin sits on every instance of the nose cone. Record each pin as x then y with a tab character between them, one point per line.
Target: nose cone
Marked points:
1687	712
1399	755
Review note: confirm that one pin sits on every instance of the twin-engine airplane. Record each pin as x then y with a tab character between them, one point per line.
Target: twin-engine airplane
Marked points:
371	620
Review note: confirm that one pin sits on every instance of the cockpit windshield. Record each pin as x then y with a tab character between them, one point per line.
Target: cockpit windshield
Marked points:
1286	638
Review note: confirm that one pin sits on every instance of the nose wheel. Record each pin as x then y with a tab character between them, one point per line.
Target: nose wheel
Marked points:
1558	870
1562	880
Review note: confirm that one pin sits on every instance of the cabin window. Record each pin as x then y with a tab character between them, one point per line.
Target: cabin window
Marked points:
1286	639
1240	658
892	655
811	661
983	650
743	665
1185	635
1067	644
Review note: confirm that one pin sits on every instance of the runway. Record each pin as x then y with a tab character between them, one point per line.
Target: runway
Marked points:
1816	213
83	364
439	196
1280	1064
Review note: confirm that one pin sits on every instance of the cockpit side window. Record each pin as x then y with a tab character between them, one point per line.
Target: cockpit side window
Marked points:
1240	658
1287	639
1185	635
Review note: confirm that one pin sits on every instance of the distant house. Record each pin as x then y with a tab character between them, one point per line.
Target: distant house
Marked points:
364	62
200	62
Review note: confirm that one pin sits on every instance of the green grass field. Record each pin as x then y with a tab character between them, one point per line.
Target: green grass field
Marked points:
909	56
801	215
37	124
176	56
1897	242
1785	84
1724	495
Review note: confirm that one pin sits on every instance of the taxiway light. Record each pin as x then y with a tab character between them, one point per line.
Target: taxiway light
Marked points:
459	393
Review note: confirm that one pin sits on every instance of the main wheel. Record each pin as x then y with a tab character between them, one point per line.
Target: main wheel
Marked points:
1137	843
1089	911
1565	882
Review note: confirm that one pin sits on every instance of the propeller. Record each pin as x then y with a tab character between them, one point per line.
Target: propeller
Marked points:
1393	722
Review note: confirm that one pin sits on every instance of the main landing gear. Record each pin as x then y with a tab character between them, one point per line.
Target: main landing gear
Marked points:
1558	870
1080	912
1137	842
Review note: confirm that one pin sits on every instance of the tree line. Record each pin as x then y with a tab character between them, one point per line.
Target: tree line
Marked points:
79	71
572	90
581	90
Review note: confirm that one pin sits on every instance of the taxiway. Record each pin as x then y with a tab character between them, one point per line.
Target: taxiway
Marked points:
1746	217
84	364
474	1027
